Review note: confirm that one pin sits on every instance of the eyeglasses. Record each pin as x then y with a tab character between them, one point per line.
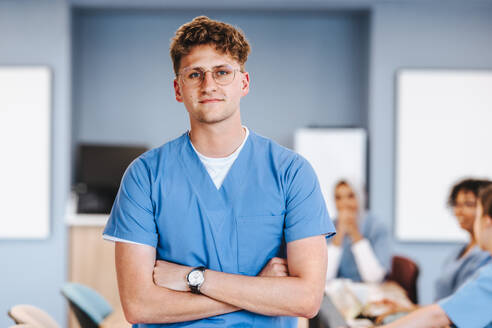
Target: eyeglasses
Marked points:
194	76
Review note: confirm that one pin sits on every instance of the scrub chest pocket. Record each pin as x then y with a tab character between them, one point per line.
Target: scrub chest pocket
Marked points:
259	239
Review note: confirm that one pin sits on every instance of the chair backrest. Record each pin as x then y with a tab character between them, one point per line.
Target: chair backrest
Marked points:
89	306
405	272
31	315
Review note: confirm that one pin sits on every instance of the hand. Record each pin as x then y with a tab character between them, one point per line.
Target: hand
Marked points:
347	221
171	275
343	226
276	267
347	217
341	232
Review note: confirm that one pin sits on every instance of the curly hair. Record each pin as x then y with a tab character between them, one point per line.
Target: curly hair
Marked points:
467	185
203	30
485	198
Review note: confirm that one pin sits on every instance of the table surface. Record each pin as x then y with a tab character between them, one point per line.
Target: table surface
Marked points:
345	300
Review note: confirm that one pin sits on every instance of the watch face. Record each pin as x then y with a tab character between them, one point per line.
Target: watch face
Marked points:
195	278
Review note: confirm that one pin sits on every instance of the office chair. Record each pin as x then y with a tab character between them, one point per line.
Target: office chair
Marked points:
89	306
31	316
405	272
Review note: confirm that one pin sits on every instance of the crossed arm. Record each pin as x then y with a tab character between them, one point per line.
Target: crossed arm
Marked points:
272	292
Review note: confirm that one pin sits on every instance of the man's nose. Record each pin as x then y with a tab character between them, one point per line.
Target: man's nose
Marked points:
208	83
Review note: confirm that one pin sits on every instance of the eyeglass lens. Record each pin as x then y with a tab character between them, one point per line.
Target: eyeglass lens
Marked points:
222	75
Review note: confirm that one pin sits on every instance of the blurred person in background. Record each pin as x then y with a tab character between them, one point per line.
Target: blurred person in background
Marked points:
461	264
471	305
360	249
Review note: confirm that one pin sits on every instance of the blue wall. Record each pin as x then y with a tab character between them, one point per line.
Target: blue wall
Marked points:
410	36
32	271
306	68
337	43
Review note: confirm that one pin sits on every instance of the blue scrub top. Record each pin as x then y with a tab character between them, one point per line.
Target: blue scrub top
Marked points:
471	305
456	270
270	197
378	236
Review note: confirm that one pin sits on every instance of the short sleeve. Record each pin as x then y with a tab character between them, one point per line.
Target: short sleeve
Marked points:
132	215
471	265
306	213
470	305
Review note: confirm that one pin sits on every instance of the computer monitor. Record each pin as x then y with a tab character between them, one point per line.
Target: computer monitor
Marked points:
99	172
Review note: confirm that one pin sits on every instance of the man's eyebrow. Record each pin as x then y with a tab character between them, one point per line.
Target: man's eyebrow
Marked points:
202	68
222	65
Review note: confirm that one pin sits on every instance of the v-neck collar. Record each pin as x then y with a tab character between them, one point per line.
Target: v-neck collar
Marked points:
213	198
196	155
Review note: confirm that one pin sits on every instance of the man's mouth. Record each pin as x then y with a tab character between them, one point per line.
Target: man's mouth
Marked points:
210	100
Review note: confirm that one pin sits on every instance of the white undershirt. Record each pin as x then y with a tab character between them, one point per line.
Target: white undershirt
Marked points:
217	168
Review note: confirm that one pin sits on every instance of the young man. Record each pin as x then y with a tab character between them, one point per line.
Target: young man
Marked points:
220	227
471	305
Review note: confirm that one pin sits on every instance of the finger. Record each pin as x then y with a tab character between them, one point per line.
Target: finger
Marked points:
283	270
282	273
279	266
279	260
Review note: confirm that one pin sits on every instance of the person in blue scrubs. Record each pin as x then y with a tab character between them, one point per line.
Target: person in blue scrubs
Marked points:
468	258
220	227
471	305
361	249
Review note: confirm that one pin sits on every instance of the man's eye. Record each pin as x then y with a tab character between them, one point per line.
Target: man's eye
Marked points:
223	72
194	75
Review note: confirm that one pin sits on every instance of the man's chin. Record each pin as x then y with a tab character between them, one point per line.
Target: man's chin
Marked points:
212	120
209	118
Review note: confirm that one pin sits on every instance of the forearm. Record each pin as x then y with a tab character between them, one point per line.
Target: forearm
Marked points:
145	302
432	316
271	293
161	305
273	296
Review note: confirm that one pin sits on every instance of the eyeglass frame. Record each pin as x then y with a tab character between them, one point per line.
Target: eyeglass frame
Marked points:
204	72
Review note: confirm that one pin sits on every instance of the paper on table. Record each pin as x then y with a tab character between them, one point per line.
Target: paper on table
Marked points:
343	298
368	299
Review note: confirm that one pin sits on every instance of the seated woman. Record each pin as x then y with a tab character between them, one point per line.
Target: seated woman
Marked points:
468	258
360	249
470	305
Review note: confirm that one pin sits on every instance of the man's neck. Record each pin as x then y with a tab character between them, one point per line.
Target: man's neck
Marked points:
217	140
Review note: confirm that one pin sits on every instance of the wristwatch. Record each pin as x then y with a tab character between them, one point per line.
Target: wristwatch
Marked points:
195	279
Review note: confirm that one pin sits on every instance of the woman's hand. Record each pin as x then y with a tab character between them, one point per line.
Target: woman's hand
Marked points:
347	223
341	232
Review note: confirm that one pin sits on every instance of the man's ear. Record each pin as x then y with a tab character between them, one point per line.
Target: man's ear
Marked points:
177	91
244	84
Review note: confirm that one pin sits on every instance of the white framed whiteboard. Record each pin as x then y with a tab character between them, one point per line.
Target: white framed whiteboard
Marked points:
334	154
443	134
25	126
